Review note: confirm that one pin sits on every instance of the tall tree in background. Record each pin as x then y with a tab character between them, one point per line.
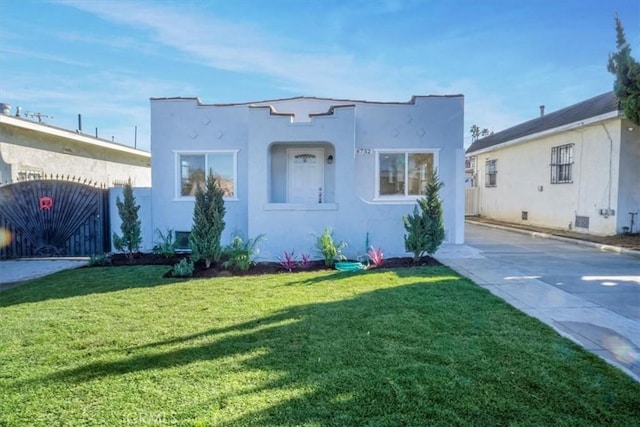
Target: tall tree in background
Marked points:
208	223
476	133
627	72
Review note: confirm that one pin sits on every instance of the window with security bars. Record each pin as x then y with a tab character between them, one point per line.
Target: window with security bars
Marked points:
562	164
491	178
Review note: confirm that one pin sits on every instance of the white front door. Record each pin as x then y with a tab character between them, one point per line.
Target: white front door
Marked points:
305	168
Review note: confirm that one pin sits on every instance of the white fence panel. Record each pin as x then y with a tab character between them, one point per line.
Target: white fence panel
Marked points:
471	205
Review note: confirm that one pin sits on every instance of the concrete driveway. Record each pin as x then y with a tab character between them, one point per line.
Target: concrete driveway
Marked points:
15	272
587	295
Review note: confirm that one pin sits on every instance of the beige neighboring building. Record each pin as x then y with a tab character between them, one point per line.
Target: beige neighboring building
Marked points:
576	168
30	150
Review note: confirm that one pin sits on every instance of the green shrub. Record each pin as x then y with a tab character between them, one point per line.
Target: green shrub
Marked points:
330	251
425	227
208	223
183	269
239	254
99	260
166	246
131	237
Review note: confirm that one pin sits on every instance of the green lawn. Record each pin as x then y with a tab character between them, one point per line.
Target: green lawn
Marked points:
420	346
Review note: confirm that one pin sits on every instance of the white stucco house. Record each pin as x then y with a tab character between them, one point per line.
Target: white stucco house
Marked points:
291	167
576	168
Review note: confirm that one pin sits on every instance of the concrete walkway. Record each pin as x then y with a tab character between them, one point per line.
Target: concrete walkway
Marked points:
587	295
14	272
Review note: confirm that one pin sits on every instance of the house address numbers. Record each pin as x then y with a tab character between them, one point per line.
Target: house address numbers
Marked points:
363	150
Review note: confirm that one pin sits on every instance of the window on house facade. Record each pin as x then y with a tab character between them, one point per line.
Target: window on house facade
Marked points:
403	174
193	169
470	162
562	164
491	178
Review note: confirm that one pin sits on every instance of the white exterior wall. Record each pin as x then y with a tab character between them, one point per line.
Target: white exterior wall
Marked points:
524	180
288	226
18	159
629	176
181	125
26	146
434	123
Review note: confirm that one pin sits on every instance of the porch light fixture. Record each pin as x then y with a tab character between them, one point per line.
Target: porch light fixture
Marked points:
330	159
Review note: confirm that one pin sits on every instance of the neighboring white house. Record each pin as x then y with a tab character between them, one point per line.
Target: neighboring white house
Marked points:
292	167
31	150
33	157
577	168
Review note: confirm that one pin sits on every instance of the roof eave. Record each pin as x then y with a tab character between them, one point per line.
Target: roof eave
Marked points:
78	137
549	132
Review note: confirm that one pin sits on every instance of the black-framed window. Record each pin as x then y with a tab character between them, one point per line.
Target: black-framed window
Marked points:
562	164
491	178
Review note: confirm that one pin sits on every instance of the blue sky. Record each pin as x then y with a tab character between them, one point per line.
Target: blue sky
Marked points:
105	59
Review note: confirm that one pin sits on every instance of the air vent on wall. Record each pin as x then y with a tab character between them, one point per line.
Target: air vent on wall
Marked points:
582	222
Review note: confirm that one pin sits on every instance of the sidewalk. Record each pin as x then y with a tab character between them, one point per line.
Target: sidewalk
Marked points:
14	272
535	277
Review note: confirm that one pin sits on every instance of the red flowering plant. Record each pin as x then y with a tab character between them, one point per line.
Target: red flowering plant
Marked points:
376	257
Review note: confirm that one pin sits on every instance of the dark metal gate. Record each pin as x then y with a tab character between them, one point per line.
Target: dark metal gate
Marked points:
53	217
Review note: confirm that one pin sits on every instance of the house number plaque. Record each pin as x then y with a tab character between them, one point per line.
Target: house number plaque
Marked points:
363	150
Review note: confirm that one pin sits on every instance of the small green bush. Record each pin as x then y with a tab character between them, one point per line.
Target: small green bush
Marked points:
330	251
99	260
183	269
166	245
239	254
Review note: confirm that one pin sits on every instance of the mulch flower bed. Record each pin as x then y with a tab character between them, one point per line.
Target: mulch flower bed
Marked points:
255	269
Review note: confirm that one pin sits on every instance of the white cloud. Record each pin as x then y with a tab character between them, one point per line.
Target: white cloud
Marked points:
298	69
245	48
40	55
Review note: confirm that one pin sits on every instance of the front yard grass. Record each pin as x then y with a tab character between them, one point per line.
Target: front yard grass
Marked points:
417	346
